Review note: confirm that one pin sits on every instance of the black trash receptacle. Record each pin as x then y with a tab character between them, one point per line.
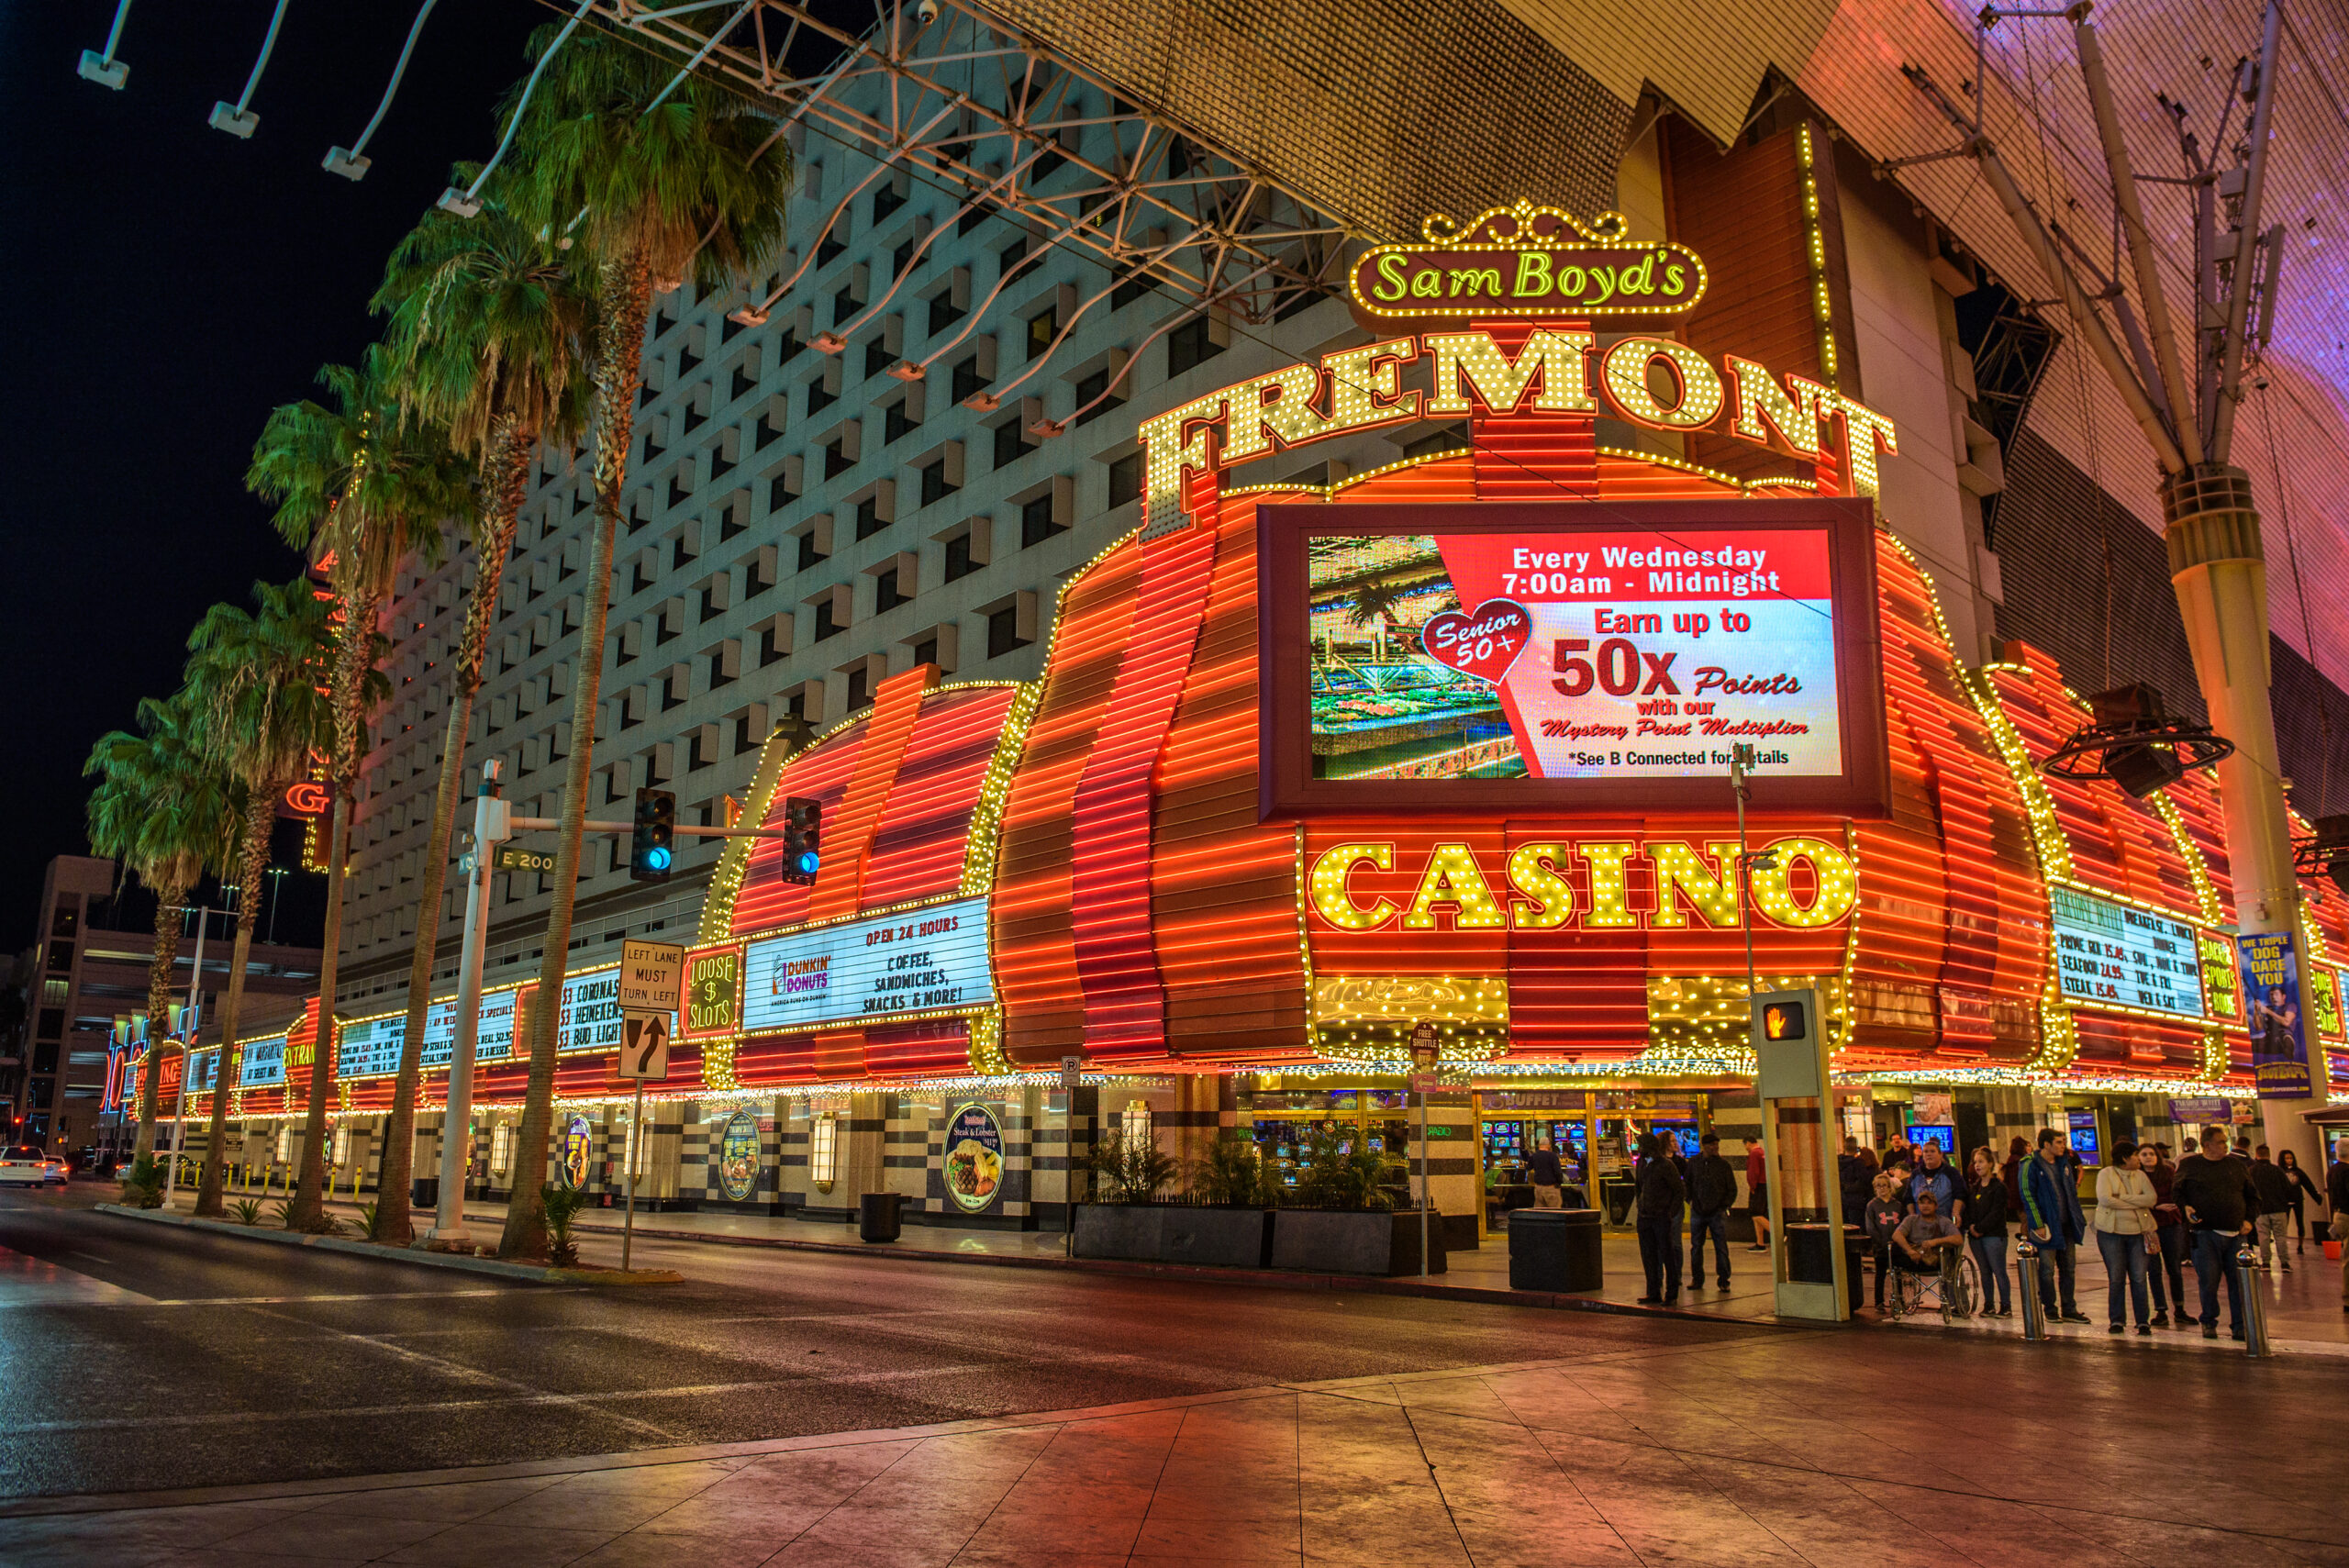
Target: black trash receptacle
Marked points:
424	1192
876	1217
1554	1249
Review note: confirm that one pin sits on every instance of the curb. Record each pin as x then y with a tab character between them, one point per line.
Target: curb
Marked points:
532	1273
1265	1279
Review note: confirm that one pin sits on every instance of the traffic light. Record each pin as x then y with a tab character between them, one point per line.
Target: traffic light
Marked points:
651	856
803	839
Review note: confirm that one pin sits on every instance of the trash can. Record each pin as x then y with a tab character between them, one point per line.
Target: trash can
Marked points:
1554	1249
876	1217
424	1192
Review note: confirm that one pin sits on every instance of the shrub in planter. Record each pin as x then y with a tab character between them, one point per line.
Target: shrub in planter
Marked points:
1334	1172
1131	1171
1231	1175
143	1187
563	1207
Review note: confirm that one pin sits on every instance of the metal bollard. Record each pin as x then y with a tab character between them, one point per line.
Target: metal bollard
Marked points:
2034	1315
2255	1303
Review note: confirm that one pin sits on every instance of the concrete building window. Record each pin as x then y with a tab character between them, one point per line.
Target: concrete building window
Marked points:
828	623
1011	443
934	486
1124	479
860	682
1042	327
1011	625
897	420
1091	387
837	457
1037	522
878	355
869	520
821	394
967	380
887	595
775	641
1195	342
759	573
958	557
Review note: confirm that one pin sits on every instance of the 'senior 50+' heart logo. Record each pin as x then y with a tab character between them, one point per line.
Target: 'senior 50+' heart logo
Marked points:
1484	644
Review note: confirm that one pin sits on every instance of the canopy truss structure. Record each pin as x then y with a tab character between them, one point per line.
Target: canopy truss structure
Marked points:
950	94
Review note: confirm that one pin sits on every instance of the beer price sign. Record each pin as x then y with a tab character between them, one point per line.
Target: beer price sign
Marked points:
1483	652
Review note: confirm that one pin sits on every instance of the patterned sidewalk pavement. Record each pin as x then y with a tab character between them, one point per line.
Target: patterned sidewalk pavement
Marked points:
1783	1448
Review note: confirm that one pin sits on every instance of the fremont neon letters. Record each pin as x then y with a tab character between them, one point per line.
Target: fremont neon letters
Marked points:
1530	891
1363	388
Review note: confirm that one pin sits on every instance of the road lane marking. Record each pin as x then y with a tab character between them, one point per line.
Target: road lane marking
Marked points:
540	1397
27	1281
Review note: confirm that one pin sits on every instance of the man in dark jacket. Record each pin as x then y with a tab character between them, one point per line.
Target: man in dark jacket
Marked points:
1852	1174
2055	1221
2214	1191
1662	1196
1713	1191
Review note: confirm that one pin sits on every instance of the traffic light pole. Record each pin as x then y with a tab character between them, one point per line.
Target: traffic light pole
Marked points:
493	825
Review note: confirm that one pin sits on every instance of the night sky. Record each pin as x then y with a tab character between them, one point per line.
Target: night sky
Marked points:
167	284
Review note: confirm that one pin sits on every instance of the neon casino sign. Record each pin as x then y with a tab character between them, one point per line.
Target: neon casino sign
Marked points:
1558	370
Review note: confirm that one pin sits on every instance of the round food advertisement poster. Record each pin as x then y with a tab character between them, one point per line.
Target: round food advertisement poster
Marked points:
578	1139
973	1157
737	1157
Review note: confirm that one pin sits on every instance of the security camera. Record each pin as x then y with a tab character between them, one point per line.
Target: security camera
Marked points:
926	11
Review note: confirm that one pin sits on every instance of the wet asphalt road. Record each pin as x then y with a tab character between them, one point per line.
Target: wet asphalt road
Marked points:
135	1356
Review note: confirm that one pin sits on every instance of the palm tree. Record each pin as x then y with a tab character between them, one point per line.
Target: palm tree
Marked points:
255	683
364	488
168	814
651	182
489	326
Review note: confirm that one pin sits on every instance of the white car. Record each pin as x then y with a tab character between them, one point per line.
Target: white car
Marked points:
26	1165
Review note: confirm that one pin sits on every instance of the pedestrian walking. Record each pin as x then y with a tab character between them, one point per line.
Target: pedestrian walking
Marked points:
2218	1202
1757	1194
1880	1219
1712	1193
1986	1232
2289	1161
1549	1178
1661	1196
2165	1267
2124	1226
2051	1205
2275	1213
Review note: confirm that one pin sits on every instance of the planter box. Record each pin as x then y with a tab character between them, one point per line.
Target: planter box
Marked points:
1174	1233
1354	1241
1131	1231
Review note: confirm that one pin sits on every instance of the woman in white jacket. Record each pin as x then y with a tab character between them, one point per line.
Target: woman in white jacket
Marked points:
2124	1228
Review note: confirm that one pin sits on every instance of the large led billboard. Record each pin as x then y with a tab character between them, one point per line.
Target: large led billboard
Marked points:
1570	655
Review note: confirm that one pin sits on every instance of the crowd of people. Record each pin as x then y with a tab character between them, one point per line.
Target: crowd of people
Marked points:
2153	1216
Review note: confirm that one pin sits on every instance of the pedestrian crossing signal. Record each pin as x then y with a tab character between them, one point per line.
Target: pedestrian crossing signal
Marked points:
651	852
803	839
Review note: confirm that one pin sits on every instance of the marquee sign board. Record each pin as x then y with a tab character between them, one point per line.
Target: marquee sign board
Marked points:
921	961
1570	656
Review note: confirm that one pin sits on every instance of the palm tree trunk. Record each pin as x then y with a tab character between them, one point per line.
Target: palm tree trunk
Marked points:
626	287
504	479
159	1009
307	1210
261	819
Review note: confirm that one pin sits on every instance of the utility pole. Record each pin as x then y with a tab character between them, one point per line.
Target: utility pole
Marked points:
491	816
187	1056
2218	566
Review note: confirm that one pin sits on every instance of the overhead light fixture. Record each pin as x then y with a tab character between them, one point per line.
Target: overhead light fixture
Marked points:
237	122
749	315
97	67
349	164
2131	741
2326	853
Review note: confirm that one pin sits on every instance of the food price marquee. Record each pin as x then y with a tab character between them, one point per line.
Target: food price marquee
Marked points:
1448	742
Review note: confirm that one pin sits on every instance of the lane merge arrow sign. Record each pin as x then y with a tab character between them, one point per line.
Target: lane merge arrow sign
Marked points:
644	1046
